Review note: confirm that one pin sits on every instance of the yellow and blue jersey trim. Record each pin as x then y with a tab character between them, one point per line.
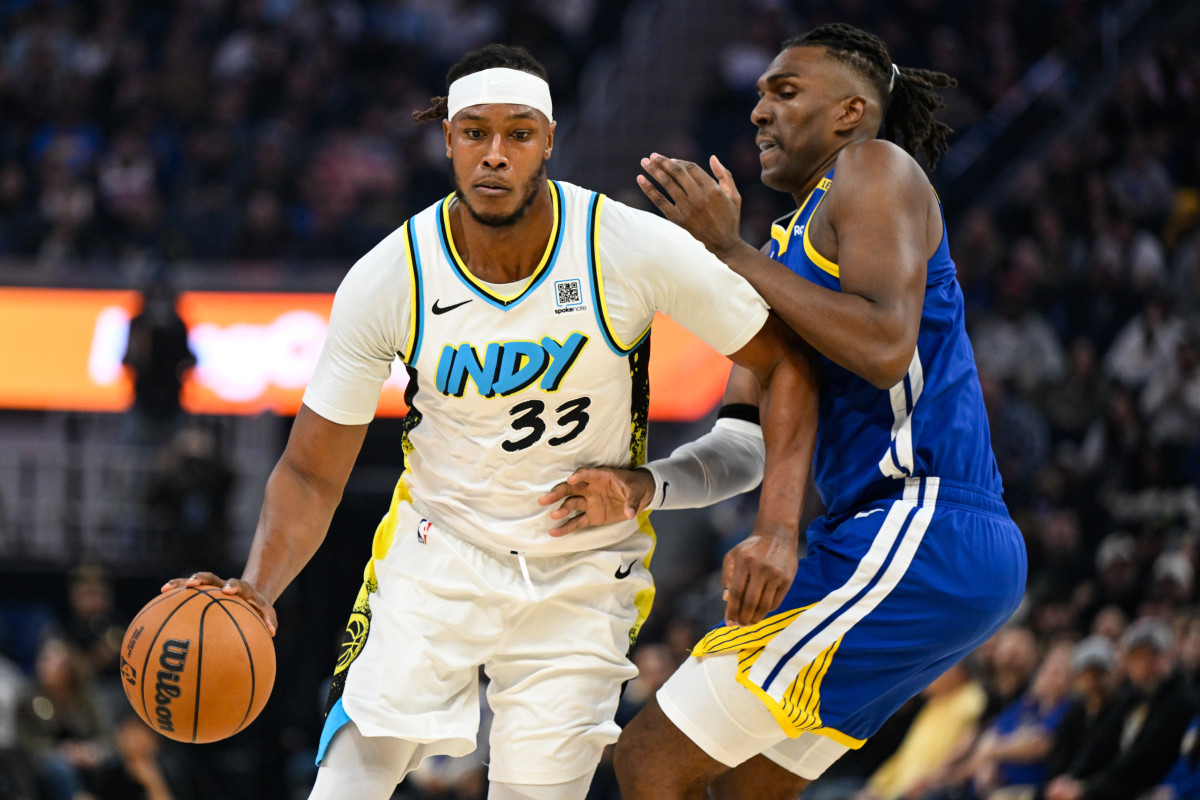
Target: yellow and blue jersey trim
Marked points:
543	269
782	236
598	303
413	345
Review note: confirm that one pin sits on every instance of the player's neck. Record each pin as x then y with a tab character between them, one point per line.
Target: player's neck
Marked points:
814	176
507	253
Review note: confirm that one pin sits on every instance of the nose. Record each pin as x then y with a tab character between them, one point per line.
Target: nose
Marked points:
496	158
761	114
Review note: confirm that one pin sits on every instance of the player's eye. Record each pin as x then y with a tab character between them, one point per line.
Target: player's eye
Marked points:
522	135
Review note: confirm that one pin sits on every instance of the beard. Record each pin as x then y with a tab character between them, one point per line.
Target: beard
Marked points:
531	189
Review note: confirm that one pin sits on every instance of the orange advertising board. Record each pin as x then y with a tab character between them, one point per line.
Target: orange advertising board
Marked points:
61	349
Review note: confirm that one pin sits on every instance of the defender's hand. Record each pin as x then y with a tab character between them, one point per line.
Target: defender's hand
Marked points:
243	589
756	575
599	496
710	210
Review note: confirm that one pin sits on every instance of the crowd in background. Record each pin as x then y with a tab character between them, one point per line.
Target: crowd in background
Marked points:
280	131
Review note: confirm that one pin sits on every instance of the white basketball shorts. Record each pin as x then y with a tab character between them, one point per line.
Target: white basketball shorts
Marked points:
552	634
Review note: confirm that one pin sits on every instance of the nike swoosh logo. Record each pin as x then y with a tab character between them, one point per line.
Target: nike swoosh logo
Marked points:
624	572
862	514
443	309
666	485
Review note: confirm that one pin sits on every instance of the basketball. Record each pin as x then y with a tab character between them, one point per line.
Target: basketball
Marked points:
197	664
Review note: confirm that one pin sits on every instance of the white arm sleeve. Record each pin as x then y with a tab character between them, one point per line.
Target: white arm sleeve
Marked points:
649	264
724	462
368	328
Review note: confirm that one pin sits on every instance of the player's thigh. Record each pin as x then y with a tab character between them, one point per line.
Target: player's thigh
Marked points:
655	759
759	778
435	614
555	681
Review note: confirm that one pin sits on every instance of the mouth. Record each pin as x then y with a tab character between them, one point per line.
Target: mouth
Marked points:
491	188
766	145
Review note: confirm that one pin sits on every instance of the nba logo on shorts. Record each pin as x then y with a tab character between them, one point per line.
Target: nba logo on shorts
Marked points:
423	528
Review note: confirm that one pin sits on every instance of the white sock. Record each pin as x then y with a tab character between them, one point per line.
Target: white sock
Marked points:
362	767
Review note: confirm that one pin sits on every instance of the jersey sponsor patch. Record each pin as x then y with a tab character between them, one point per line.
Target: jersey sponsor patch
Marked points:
568	296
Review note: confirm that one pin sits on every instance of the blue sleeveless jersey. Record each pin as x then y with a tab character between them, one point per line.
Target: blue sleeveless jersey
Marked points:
930	424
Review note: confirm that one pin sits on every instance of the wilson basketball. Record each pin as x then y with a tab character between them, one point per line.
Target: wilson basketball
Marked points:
197	664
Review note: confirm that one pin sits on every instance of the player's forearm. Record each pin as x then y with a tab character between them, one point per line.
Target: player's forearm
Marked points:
295	516
789	421
846	328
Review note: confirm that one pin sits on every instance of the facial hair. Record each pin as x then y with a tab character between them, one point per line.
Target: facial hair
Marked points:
532	187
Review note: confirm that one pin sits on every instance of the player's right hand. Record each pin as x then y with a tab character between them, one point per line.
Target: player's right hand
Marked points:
243	589
594	496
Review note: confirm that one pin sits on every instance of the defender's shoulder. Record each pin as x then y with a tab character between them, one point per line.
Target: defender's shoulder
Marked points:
876	161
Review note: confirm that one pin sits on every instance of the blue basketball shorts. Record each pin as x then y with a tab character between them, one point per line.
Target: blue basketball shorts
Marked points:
886	600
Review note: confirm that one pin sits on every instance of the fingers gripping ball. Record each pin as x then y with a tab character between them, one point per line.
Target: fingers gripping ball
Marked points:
197	664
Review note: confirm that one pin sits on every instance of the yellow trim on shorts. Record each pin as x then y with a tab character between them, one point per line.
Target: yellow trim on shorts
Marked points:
385	533
643	601
840	738
798	711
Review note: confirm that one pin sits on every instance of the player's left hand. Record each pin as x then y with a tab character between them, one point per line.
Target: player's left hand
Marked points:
756	575
708	209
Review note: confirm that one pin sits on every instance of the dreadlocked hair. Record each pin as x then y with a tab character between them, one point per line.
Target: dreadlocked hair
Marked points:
494	55
909	106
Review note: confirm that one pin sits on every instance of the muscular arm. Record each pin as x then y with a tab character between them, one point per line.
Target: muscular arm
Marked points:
304	489
788	411
302	492
877	217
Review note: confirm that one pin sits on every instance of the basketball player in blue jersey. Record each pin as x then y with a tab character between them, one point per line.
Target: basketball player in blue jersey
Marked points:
916	561
521	310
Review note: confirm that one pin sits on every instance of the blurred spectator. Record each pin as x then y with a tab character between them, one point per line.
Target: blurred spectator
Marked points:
159	358
1183	779
1011	753
17	781
1118	580
94	629
1093	666
1073	403
140	770
941	732
61	724
188	502
1171	398
1016	345
1020	437
1008	667
1146	344
1132	747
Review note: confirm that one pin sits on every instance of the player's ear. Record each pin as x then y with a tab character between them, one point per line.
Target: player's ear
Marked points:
850	113
446	133
550	140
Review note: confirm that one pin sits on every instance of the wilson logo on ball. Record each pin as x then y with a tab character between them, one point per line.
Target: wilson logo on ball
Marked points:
166	688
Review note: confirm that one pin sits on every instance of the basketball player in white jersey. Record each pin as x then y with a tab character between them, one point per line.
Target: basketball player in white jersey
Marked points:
521	309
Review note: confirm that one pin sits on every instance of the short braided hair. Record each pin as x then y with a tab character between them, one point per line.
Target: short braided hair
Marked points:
909	106
494	55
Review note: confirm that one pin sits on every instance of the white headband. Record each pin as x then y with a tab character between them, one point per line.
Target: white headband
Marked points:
499	85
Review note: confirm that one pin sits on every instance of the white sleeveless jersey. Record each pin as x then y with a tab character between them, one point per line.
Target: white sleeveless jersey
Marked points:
513	387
